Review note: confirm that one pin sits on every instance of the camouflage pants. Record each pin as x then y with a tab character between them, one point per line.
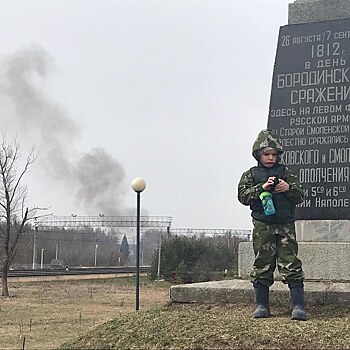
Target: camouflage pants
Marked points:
275	245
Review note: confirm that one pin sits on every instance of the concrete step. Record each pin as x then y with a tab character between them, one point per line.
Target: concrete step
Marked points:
241	291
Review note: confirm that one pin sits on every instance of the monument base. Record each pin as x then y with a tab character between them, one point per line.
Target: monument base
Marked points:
241	291
322	230
322	261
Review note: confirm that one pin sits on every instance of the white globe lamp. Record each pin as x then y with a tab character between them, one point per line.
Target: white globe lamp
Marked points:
138	184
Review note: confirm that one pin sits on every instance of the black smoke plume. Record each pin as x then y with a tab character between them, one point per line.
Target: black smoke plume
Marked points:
95	180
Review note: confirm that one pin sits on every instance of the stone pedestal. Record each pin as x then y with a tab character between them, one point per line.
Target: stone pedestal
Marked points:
323	230
322	261
241	291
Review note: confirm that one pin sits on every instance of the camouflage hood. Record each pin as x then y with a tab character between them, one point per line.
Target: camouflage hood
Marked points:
267	138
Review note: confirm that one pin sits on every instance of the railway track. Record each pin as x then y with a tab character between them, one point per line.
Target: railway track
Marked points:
76	271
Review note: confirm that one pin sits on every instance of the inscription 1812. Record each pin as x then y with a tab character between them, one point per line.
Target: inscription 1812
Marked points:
310	111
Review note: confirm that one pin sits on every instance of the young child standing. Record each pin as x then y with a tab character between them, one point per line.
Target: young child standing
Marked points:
274	238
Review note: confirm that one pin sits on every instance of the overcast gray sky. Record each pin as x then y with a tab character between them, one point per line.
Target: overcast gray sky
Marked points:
171	91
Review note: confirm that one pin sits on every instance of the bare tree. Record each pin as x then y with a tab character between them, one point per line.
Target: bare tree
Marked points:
14	214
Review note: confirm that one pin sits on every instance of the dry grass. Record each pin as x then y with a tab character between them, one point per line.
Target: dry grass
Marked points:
45	314
225	327
100	314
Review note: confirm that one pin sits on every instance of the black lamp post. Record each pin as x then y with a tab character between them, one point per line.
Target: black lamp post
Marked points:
138	185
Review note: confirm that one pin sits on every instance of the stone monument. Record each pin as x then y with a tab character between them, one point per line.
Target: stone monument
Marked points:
310	111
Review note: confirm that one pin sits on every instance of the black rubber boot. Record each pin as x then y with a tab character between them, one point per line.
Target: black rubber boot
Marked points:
297	294
262	309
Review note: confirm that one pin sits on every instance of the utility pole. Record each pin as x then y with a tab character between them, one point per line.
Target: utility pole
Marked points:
34	247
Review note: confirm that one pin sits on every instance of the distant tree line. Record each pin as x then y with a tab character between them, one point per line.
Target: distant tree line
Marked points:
77	247
183	258
73	247
196	259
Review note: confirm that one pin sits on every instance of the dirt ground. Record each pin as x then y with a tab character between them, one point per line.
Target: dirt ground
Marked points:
44	314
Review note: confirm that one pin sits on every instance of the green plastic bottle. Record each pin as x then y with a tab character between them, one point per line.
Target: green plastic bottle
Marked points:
267	203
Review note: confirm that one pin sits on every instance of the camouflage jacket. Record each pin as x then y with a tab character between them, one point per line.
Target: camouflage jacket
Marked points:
248	191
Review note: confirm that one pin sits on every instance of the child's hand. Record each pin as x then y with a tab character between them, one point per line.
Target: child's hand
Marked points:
268	183
282	186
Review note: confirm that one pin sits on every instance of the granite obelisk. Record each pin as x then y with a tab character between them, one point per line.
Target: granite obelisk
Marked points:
310	111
